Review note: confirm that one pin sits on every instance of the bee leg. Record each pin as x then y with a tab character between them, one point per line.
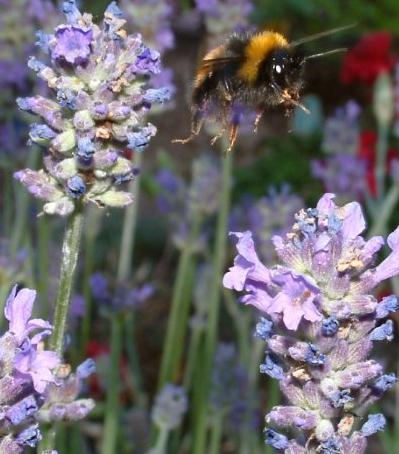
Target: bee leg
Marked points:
257	120
218	136
196	125
233	138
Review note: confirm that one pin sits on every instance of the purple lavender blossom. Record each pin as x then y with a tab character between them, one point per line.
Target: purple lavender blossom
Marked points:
229	381
341	131
124	297
169	407
268	216
221	17
99	80
343	174
325	322
186	204
152	18
61	402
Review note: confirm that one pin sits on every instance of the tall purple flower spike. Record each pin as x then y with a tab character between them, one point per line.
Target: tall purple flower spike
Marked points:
322	321
99	80
30	375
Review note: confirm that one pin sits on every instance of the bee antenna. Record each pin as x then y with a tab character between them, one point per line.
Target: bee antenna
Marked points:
322	54
322	34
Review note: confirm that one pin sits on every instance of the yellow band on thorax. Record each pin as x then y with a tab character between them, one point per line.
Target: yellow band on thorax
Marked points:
257	49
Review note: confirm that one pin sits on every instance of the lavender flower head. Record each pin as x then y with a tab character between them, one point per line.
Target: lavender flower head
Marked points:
187	204
26	371
169	407
221	17
341	131
325	322
153	19
19	21
28	374
268	216
99	80
343	174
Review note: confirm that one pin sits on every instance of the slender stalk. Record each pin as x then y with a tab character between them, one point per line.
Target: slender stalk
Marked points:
200	429
194	345
177	322
124	271
134	362
380	221
162	441
70	252
216	434
112	404
129	227
381	160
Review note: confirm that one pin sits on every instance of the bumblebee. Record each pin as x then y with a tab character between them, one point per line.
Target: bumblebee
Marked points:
258	71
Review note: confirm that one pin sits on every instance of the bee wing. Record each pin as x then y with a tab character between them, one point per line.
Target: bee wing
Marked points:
218	62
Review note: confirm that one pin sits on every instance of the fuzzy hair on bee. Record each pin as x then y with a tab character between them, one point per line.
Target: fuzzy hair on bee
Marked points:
257	71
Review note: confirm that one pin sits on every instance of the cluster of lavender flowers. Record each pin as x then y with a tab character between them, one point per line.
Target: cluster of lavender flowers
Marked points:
124	297
270	215
188	204
99	77
18	23
229	384
221	17
322	323
342	171
33	382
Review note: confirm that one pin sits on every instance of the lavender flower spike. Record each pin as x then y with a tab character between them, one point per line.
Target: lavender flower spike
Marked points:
323	322
99	82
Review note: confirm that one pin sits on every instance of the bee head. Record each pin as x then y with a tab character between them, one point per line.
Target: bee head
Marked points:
286	69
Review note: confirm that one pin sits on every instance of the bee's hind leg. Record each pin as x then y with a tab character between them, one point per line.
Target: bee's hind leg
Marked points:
196	126
218	136
232	139
258	117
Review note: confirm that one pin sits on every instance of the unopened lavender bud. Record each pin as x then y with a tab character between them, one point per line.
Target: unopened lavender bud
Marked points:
385	382
271	368
383	332
329	326
41	134
383	100
387	305
76	187
64	142
275	439
374	424
263	328
169	407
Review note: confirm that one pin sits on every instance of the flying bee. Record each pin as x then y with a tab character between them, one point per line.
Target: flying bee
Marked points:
253	70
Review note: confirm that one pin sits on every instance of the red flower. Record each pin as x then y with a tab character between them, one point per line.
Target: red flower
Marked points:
368	59
367	151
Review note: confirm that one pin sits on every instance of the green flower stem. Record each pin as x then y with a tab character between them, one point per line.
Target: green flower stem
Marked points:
381	160
195	341
70	252
200	428
111	423
162	441
180	305
381	220
216	434
134	362
129	227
